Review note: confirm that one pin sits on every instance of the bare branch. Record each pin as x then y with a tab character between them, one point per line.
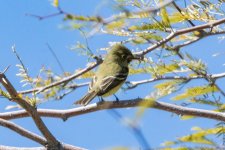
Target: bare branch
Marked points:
148	10
65	114
64	147
178	8
179	32
133	84
71	86
2	147
52	142
64	80
207	77
109	19
69	78
177	47
23	132
60	12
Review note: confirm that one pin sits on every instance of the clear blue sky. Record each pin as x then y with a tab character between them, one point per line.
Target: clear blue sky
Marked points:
96	130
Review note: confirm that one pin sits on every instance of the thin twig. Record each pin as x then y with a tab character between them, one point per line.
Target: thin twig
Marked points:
133	84
180	11
60	12
64	80
69	78
177	33
148	10
109	19
56	58
207	77
71	86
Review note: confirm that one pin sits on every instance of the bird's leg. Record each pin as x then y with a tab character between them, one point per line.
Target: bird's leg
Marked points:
117	99
101	99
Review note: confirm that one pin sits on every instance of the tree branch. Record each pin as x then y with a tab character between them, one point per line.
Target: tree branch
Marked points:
64	146
126	14
64	80
20	130
71	86
52	142
105	20
65	114
179	32
3	147
133	84
23	132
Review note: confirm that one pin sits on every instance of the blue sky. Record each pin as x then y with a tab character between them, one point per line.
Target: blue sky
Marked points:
96	130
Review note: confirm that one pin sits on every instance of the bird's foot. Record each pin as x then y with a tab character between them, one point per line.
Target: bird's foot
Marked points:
117	99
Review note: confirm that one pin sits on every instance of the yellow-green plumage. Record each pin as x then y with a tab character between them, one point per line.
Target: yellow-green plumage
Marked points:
113	90
110	75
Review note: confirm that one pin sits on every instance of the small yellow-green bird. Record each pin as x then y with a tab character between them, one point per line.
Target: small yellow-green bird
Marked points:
110	75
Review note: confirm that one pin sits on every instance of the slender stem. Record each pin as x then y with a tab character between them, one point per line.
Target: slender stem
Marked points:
179	32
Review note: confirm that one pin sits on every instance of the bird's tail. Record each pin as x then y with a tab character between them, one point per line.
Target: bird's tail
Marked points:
87	98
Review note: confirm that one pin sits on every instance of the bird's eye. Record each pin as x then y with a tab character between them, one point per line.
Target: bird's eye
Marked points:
124	56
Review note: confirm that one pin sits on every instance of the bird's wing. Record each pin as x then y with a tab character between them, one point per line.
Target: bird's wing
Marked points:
92	83
87	98
110	82
90	94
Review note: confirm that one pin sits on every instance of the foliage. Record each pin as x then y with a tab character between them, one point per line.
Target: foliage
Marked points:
200	137
169	63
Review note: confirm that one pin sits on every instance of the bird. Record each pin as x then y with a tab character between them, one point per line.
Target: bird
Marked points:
110	75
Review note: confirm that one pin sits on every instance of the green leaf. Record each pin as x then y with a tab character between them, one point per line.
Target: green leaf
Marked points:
82	18
133	71
186	117
118	148
86	75
154	26
55	3
168	87
205	101
4	94
146	103
162	69
115	25
199	137
168	143
195	64
196	91
165	17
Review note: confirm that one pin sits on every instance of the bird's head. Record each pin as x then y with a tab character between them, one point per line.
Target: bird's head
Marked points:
121	53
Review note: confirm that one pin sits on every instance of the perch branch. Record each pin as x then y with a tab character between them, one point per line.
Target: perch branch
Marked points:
65	114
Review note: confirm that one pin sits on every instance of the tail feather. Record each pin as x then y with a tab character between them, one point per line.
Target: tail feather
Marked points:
87	98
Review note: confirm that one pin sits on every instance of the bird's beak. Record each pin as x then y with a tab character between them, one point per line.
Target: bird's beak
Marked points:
137	58
133	57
